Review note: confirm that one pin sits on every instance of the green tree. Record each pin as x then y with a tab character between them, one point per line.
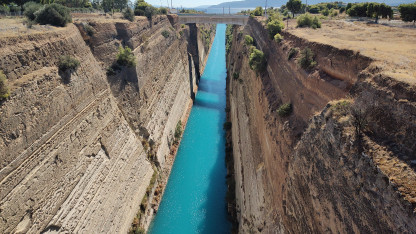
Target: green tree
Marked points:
108	5
120	4
54	14
294	6
129	14
376	10
258	11
140	7
274	27
408	12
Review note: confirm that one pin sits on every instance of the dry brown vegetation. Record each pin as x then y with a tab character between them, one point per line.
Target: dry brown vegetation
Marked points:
394	48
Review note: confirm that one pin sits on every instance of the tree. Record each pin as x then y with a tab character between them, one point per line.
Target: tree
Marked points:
120	4
108	5
140	7
294	6
4	88
258	11
129	14
376	10
408	12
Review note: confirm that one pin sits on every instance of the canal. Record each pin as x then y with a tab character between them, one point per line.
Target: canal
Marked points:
194	199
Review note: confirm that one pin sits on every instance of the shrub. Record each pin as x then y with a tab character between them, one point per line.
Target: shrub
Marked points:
4	88
182	25
284	110
236	75
125	57
89	30
306	59
278	38
325	12
4	9
258	11
178	132
274	27
257	60
54	14
165	33
163	11
128	14
68	63
248	40
30	8
292	53
306	20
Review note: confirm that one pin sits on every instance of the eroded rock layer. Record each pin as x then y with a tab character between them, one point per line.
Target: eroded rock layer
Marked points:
310	172
72	158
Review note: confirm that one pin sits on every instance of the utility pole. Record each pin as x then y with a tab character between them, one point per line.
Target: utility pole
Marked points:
229	10
265	10
223	11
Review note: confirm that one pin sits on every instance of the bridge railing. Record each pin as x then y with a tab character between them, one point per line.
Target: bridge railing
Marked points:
214	15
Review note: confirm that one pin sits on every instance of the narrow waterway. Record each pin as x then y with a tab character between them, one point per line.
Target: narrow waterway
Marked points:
194	199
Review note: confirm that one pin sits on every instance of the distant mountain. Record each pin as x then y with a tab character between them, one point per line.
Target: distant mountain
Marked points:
273	3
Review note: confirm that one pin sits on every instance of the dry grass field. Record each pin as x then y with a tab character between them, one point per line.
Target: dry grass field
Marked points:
393	47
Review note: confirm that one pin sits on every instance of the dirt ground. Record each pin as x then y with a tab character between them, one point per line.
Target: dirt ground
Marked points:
393	47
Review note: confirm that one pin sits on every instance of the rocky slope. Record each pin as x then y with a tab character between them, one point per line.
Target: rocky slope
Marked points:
72	158
311	171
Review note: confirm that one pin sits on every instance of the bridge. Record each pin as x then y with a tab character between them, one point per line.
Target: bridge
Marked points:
212	19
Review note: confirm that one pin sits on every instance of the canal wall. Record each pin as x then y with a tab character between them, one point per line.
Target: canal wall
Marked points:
310	171
79	150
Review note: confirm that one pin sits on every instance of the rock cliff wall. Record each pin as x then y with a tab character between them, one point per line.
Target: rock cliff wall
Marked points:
72	158
310	171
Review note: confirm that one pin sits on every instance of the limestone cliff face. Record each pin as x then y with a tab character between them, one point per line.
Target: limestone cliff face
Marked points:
71	153
296	174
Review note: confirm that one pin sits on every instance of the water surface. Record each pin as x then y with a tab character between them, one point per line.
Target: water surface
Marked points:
194	199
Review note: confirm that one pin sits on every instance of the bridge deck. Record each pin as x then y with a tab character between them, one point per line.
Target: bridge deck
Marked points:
212	19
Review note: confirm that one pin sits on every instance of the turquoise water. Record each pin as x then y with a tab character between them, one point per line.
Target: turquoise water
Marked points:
194	199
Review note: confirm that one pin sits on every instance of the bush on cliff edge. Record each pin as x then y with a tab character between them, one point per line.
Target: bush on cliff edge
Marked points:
53	14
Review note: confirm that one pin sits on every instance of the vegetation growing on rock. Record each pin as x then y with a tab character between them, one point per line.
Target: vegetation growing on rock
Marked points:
284	110
68	63
248	40
165	33
125	57
274	27
257	60
4	88
306	60
178	132
292	53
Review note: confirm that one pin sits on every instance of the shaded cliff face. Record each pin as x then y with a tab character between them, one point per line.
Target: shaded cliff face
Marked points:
71	153
294	174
